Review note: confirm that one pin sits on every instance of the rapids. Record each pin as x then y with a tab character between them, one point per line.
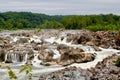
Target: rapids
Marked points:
38	69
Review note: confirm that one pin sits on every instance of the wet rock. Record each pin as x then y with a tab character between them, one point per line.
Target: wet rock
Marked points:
8	61
30	54
29	62
4	65
8	46
48	63
46	55
63	48
104	39
106	69
2	55
82	38
74	55
26	34
96	48
22	40
4	40
70	37
90	43
38	48
71	73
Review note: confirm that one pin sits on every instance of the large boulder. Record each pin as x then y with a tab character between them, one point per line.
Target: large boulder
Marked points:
82	38
69	55
79	38
46	55
104	39
75	56
62	48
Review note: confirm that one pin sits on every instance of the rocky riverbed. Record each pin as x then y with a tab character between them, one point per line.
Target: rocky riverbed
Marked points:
85	54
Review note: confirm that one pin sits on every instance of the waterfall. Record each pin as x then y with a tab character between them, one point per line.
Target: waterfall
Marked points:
6	57
15	57
25	57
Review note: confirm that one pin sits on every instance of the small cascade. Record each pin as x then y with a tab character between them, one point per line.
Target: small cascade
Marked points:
16	57
88	48
58	40
56	54
36	61
36	39
25	58
7	57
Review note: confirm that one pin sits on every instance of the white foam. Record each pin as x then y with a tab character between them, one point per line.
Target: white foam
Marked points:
56	54
36	39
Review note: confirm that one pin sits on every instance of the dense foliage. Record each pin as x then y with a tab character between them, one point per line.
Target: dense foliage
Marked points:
25	20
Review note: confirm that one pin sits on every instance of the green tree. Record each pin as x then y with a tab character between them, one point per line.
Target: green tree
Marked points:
19	26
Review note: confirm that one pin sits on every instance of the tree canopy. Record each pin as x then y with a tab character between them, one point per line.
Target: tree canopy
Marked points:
24	20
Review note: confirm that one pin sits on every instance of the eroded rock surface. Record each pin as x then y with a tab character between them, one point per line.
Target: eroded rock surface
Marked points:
104	70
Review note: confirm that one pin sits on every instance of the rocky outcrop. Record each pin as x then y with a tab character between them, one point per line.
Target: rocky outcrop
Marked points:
104	70
30	54
49	63
82	38
46	55
103	39
2	55
4	40
75	56
68	56
22	40
62	48
70	73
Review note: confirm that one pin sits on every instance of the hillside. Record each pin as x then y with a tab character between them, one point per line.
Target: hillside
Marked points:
28	20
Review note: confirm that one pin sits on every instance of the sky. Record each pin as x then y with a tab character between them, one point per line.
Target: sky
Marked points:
62	7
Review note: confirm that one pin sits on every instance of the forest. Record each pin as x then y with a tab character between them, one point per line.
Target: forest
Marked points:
28	20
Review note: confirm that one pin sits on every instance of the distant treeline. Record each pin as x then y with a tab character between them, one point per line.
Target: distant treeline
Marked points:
28	20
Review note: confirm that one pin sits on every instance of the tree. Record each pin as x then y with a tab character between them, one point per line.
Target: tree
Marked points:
19	26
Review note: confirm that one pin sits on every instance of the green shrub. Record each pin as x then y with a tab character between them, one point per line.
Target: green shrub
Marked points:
117	62
25	68
11	74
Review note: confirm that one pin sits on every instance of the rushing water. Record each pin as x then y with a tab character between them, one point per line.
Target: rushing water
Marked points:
38	69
